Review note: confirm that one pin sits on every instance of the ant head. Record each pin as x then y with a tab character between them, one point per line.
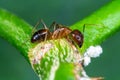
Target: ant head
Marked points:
77	37
40	35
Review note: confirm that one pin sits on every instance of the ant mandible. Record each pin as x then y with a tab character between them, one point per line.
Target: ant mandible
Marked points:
60	31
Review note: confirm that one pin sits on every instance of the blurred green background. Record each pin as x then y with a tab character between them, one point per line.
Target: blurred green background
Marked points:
13	66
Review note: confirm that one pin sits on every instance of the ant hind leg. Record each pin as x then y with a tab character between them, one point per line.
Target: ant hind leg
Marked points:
53	25
40	21
44	24
34	28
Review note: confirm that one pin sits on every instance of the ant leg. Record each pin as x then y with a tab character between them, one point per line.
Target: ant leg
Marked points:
45	37
36	26
59	26
56	34
33	30
45	28
53	25
44	24
40	21
56	26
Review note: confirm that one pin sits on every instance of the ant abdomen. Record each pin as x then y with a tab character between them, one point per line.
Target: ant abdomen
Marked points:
40	35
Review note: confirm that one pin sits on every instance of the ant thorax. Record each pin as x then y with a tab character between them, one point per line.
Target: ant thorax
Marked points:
61	33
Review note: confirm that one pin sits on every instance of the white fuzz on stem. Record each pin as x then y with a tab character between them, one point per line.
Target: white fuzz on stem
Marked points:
92	52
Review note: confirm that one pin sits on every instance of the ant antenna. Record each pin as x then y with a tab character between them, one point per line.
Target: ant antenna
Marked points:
83	28
91	25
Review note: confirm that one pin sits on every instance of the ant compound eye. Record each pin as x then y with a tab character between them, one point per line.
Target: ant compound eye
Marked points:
78	37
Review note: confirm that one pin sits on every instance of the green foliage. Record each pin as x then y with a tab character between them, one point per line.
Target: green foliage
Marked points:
106	22
16	31
64	70
100	25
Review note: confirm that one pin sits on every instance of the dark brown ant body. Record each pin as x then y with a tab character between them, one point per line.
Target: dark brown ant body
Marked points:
61	31
41	35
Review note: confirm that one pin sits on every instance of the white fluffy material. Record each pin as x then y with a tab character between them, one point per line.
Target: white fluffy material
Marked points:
92	51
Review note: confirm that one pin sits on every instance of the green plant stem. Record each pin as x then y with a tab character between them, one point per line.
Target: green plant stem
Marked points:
100	25
67	71
17	31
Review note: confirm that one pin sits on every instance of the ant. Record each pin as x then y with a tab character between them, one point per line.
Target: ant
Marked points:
60	31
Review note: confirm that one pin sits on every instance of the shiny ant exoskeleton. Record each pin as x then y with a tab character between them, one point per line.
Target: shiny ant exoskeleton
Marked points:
60	31
42	34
